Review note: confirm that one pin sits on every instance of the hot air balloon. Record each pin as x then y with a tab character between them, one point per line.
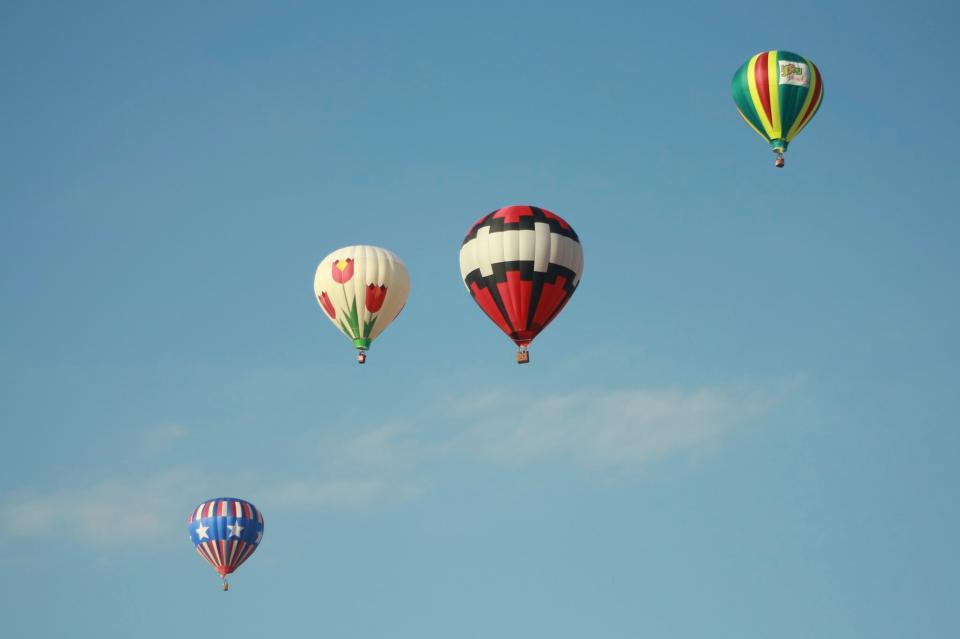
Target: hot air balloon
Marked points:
777	93
225	531
361	289
521	264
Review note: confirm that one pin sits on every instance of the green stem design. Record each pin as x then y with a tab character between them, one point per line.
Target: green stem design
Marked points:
354	320
368	326
352	327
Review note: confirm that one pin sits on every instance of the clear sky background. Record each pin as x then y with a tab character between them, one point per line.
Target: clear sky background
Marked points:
743	425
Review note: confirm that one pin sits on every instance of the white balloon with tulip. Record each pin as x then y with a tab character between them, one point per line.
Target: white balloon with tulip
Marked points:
361	289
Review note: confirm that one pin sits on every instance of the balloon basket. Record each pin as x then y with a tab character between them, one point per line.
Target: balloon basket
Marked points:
523	357
779	161
361	357
226	586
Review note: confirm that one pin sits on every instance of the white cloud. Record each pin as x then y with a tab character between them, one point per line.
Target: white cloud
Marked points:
129	512
390	447
596	429
608	428
105	512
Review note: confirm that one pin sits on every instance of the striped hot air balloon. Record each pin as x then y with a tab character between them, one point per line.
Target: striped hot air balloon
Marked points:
225	531
521	264
777	93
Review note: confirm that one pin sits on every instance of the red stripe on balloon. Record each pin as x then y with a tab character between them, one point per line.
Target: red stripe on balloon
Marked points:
552	296
763	83
203	553
817	90
224	568
509	293
486	302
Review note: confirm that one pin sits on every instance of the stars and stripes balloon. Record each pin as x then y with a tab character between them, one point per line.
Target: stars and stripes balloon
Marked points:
521	264
361	289
777	93
225	532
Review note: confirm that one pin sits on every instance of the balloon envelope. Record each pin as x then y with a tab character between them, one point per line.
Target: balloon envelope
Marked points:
361	289
225	532
777	93
521	264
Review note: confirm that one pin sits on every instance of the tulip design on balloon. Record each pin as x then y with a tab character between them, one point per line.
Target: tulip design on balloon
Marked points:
361	289
375	297
342	270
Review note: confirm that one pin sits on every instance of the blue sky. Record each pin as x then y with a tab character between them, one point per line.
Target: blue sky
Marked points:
743	425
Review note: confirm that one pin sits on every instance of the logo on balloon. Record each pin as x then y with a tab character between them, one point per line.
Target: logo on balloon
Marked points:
794	73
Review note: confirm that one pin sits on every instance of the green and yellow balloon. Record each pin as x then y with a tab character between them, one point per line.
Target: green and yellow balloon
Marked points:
777	93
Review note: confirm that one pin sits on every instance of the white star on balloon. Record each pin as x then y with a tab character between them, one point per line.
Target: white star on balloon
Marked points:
202	531
235	530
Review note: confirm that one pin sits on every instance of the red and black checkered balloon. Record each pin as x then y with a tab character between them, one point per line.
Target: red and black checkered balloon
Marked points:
521	264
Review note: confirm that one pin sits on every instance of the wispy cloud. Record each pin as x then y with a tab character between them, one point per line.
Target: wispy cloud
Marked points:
389	448
608	428
599	430
104	512
143	510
